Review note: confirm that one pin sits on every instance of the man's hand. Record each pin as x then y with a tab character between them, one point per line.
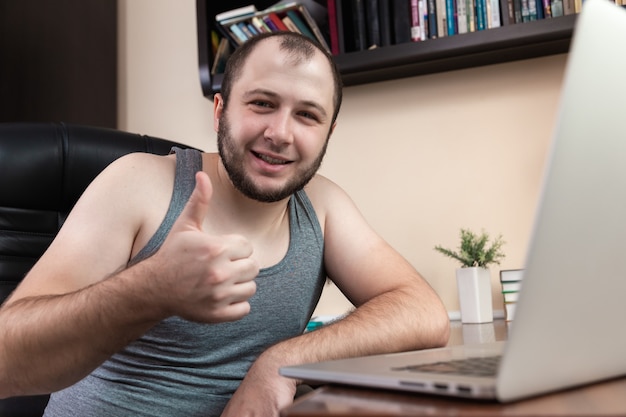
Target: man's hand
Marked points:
202	277
263	392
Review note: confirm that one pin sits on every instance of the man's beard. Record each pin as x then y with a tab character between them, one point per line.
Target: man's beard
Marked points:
233	160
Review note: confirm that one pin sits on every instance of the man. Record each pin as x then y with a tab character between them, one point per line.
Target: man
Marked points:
179	285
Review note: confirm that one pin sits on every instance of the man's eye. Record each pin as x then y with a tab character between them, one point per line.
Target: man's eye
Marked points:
308	115
261	104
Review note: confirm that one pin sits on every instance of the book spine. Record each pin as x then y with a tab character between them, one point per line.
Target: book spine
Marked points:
494	14
481	15
240	36
451	15
358	15
557	8
569	7
518	11
532	10
506	7
332	26
384	17
423	19
302	27
470	9
461	15
401	12
442	27
277	22
340	27
372	23
415	21
433	29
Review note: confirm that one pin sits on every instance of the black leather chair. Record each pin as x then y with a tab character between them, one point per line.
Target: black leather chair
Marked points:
44	168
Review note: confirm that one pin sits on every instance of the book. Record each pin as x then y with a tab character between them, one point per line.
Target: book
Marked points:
384	20
333	27
532	10
423	19
508	12
239	36
511	296
300	25
557	8
451	17
340	25
433	29
401	19
359	30
511	275
278	23
509	311
442	29
471	15
416	34
481	14
260	25
238	12
290	25
372	23
221	56
494	14
461	16
241	28
569	7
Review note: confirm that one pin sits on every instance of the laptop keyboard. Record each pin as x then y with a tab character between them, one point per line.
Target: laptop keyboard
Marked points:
485	367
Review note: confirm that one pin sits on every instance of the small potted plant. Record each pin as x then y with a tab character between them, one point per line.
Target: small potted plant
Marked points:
475	254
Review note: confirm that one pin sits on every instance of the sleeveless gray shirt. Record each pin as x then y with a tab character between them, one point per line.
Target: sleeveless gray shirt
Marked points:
181	368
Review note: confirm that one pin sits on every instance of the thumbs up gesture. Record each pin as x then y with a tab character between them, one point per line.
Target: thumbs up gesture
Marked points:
203	278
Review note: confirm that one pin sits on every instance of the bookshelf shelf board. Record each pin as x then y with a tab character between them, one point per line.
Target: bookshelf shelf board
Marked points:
492	46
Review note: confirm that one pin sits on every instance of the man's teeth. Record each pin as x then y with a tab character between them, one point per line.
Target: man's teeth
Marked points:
271	160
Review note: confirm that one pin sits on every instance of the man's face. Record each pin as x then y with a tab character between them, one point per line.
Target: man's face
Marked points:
273	135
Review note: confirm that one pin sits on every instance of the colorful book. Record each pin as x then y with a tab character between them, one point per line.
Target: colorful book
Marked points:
416	33
451	17
333	27
299	23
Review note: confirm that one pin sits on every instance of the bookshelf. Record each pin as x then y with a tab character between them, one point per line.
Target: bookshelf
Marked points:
504	44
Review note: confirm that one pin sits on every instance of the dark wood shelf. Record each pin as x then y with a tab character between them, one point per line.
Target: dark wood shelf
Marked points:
508	43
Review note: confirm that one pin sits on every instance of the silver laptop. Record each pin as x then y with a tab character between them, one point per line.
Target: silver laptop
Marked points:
569	323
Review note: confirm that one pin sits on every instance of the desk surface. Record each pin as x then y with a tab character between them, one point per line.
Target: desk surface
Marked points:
602	399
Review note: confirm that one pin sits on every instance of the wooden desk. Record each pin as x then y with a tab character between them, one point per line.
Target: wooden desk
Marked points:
602	399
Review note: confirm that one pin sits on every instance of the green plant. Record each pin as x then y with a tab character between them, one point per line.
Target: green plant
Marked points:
475	250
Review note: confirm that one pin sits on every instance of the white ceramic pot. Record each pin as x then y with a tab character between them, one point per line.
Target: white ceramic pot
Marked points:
474	286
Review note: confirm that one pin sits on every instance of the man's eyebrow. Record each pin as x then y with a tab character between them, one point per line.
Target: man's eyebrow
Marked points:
268	93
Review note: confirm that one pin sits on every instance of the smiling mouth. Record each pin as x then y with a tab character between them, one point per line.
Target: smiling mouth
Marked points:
270	160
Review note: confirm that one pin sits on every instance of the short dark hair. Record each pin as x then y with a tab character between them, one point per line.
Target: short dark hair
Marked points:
299	46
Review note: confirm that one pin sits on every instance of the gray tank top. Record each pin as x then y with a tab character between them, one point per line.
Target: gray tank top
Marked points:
181	368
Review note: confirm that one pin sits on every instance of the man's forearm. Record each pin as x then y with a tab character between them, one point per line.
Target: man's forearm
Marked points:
390	322
50	342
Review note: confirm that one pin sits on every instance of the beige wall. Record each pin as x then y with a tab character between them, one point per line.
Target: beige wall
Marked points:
422	156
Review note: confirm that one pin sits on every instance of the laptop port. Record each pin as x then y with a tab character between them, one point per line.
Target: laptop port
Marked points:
440	386
464	389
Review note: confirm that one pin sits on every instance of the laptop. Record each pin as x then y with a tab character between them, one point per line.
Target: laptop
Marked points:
569	322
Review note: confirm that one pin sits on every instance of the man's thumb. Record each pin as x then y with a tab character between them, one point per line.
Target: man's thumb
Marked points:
196	208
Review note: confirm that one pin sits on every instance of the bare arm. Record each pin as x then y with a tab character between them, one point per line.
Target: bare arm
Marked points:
79	305
396	308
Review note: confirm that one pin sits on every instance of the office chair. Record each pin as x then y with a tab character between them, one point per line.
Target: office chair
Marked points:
44	168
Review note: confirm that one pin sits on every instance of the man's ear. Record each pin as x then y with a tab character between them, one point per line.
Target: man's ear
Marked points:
218	108
332	129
